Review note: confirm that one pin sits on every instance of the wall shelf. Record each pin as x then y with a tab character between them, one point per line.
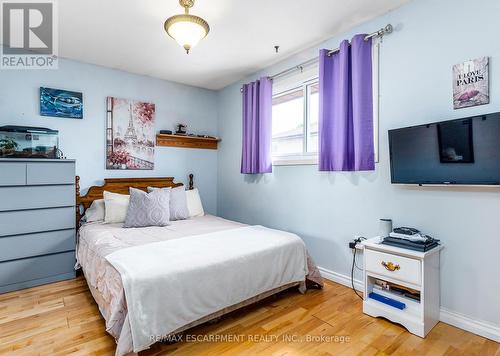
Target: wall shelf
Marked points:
187	141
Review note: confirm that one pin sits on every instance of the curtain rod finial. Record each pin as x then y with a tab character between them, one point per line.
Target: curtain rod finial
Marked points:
388	28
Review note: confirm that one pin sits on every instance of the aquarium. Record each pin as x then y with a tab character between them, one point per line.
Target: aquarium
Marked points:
28	142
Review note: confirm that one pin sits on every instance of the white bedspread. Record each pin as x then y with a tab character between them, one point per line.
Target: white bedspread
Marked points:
186	279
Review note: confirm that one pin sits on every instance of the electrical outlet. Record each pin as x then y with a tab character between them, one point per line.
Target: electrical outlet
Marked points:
356	243
352	244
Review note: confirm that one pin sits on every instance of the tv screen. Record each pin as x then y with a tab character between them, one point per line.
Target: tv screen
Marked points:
463	151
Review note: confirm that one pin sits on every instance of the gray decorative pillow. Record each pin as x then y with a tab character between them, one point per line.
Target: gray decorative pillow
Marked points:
178	203
148	209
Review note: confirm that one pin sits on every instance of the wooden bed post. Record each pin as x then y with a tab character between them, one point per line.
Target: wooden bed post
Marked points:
77	187
191	186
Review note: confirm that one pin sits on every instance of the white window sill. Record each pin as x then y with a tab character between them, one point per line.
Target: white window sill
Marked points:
298	160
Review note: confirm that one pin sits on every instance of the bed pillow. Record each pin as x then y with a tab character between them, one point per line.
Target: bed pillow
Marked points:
178	203
194	205
148	209
95	212
115	207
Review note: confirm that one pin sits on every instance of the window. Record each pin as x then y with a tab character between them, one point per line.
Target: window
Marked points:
288	123
295	123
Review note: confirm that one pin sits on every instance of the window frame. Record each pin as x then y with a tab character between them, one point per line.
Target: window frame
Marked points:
304	157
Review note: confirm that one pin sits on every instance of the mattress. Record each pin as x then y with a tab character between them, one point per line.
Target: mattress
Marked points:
98	240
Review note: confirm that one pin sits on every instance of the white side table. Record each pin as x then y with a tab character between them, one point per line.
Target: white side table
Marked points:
407	268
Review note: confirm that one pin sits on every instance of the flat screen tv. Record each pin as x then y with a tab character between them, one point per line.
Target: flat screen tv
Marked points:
464	151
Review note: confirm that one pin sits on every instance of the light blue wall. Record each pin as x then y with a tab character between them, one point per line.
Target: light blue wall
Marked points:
328	209
84	139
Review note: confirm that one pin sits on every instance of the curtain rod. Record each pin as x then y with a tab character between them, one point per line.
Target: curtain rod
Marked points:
383	31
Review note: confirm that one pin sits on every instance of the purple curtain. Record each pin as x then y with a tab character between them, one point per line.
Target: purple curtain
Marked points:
257	129
346	108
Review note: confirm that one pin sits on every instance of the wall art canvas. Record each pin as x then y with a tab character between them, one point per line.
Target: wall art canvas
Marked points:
61	103
471	83
130	134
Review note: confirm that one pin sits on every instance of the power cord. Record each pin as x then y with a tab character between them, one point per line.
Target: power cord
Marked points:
359	268
358	240
352	275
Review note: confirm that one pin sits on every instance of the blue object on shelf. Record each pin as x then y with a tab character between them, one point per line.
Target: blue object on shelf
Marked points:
392	302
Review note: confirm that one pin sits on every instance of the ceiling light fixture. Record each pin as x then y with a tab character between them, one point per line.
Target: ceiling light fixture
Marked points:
187	29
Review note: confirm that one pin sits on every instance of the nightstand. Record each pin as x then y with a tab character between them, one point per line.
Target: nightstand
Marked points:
418	271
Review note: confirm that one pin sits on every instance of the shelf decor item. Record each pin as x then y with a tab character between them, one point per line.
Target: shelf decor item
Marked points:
181	129
471	83
130	134
61	103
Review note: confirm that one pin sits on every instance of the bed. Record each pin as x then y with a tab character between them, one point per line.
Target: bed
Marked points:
153	282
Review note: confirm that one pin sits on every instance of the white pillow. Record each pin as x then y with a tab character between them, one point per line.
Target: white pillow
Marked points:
95	212
115	206
194	203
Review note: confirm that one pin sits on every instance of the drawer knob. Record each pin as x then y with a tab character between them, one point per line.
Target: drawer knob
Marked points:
391	266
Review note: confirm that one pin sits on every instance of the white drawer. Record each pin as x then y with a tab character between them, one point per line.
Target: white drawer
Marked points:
12	173
396	267
36	197
44	173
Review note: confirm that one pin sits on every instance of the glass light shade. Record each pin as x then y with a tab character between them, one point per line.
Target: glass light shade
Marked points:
187	30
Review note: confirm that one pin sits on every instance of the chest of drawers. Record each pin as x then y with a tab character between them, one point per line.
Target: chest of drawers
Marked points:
37	222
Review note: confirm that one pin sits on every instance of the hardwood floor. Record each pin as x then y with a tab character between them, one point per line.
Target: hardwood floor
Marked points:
62	318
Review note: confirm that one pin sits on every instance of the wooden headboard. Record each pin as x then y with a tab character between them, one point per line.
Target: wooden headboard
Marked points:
121	186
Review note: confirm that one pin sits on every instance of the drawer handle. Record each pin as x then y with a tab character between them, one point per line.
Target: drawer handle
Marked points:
391	266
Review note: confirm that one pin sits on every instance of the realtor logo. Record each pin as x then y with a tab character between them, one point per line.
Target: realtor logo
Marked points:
29	34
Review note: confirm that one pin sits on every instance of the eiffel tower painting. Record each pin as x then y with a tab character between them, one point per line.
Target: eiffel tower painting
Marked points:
130	134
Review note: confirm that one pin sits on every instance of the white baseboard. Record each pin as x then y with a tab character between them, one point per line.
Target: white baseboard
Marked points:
478	327
461	321
341	279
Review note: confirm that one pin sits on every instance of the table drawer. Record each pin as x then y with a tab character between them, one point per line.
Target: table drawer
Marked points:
36	267
44	243
36	197
12	173
40	173
396	267
28	221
